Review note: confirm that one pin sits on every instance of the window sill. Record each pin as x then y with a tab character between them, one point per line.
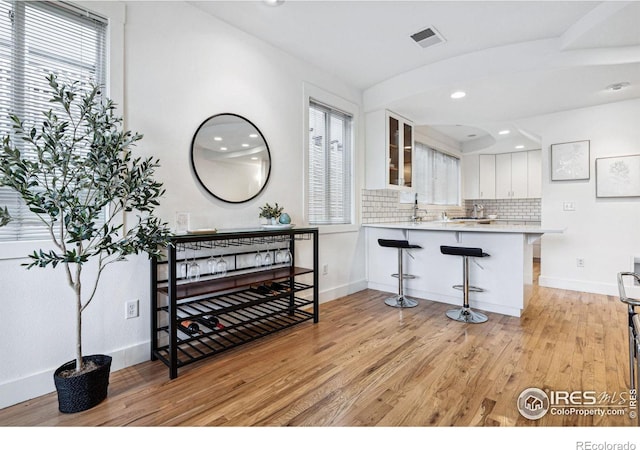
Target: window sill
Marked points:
22	250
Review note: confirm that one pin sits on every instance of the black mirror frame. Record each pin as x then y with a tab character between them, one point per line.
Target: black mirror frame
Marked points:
195	171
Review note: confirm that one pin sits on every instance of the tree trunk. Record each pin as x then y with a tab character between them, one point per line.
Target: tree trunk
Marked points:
78	291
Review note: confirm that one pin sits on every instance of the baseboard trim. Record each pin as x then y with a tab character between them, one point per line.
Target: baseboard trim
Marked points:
35	385
336	292
582	286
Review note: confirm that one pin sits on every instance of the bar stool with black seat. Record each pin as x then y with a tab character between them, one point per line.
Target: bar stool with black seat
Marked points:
465	314
400	300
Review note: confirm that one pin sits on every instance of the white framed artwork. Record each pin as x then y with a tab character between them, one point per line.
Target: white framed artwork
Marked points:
570	161
618	176
183	220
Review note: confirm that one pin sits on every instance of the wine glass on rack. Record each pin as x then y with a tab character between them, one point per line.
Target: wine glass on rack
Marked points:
221	266
284	257
259	260
194	269
184	267
267	259
211	264
288	258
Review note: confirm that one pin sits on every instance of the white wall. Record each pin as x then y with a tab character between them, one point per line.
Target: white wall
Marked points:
604	232
180	67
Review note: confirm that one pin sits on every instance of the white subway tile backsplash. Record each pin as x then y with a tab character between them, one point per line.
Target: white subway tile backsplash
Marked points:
509	209
383	205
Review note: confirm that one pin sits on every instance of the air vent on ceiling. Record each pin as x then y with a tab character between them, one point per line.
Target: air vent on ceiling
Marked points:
427	37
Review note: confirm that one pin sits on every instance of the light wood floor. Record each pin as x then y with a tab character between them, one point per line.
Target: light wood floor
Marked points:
366	364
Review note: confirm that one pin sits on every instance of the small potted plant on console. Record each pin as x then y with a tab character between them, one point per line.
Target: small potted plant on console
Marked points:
271	213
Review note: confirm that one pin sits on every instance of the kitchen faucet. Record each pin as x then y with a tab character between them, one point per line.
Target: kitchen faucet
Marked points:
415	218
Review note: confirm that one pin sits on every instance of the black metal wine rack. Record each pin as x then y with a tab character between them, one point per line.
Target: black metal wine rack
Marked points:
247	302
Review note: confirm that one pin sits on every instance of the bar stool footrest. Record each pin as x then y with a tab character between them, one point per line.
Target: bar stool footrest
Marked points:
471	288
404	276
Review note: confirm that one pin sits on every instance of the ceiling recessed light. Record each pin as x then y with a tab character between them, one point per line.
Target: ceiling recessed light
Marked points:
253	136
273	2
224	149
519	146
254	158
217	138
618	86
458	94
245	145
504	132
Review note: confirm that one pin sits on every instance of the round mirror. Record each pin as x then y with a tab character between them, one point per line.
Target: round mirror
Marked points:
230	158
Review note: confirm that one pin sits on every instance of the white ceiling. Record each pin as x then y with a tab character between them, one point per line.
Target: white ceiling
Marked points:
514	59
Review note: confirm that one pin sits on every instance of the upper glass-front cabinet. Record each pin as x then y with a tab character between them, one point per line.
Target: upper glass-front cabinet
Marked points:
389	151
407	153
394	151
400	139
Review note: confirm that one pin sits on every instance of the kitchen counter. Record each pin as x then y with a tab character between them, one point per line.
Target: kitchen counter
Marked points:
468	225
506	275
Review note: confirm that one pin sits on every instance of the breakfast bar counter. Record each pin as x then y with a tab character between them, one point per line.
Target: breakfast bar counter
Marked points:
506	275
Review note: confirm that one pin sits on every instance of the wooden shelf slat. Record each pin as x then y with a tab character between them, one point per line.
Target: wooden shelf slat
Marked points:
213	285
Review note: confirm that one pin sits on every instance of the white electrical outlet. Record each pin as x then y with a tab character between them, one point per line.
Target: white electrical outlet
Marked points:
568	206
579	262
325	269
131	309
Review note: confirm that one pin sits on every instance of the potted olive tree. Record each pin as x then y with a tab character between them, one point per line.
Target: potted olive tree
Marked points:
75	171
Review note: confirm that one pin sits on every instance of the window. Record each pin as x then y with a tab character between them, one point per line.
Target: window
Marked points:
436	176
37	38
330	190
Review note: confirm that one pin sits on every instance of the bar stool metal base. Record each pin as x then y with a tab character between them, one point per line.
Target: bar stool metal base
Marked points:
401	301
466	315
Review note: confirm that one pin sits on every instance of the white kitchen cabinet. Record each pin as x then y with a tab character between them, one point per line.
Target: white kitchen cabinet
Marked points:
389	151
487	177
503	175
471	177
511	175
519	175
534	174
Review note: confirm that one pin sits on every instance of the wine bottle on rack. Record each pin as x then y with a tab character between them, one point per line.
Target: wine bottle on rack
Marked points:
211	321
189	327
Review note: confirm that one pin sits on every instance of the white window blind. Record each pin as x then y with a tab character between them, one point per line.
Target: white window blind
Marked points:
37	38
436	176
330	166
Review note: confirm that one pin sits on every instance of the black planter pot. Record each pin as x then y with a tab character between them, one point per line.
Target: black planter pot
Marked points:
82	392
